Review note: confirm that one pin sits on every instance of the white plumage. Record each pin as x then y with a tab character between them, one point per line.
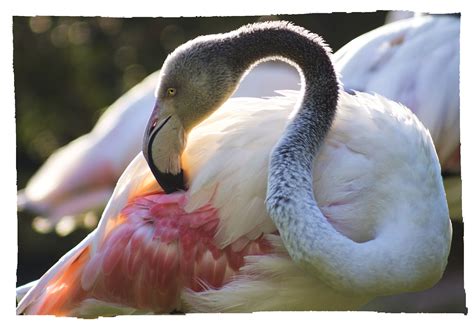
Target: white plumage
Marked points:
376	179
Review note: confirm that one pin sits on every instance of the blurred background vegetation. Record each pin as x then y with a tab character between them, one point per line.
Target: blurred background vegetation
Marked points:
69	69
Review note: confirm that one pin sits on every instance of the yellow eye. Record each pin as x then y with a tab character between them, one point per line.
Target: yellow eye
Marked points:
171	91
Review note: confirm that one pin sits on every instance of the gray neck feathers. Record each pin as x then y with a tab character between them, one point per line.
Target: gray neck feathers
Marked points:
292	157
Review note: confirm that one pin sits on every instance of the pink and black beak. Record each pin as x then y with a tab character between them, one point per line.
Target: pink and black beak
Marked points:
168	181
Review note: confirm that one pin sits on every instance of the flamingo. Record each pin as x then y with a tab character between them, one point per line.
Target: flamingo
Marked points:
80	176
269	205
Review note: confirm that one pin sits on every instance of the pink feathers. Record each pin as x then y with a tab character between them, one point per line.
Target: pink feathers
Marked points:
156	251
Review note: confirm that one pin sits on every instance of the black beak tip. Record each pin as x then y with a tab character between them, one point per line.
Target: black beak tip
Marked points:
170	182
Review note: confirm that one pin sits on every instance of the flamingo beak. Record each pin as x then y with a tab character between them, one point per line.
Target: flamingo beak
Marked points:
154	135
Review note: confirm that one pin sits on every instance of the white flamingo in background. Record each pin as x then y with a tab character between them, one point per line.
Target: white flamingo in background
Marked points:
376	222
403	61
79	176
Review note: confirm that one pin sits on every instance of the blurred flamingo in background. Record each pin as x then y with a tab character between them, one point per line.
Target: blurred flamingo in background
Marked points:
414	61
79	176
376	223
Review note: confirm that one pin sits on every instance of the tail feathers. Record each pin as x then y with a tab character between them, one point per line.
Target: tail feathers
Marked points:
59	290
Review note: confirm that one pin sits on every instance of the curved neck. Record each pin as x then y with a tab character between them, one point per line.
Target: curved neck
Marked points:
310	55
310	239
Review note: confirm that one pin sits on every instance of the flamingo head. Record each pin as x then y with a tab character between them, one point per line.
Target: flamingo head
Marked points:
195	80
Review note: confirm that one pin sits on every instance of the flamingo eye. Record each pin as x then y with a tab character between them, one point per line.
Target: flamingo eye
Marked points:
154	123
171	92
